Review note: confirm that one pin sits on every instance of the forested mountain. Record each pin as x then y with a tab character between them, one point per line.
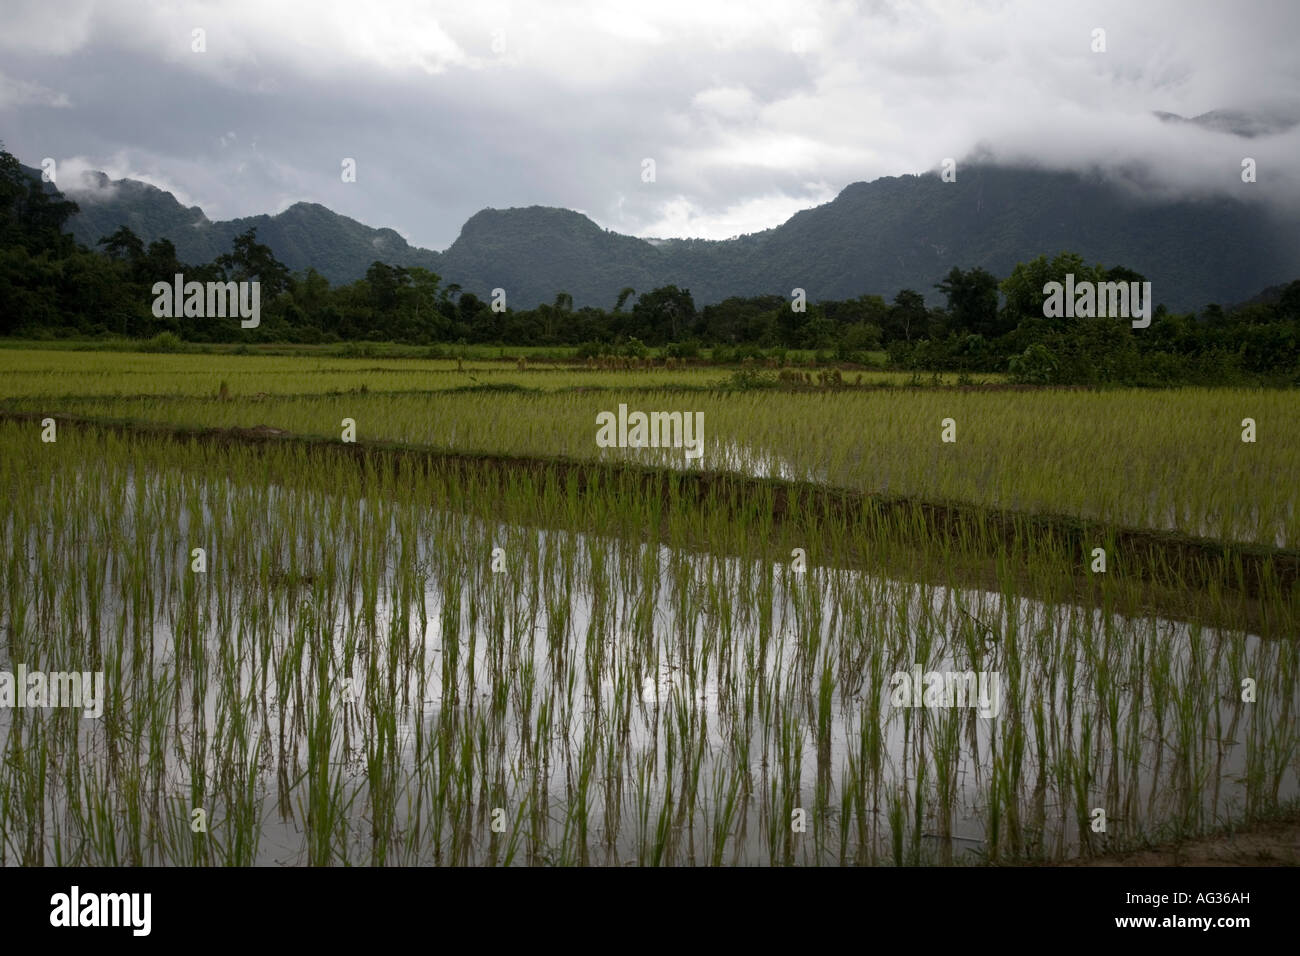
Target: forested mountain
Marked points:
896	233
306	235
1246	123
53	287
873	238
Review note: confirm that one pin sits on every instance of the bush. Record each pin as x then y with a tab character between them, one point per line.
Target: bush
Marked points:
747	379
861	337
360	350
1037	365
855	358
901	354
163	342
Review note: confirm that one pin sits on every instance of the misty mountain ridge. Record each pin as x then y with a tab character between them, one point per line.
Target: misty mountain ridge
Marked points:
1244	123
875	237
306	235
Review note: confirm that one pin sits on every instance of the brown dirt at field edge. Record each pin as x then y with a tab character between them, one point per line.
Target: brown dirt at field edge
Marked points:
1272	844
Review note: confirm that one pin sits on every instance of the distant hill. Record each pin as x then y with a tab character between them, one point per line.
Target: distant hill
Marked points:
535	252
305	234
878	237
894	233
1248	124
1270	296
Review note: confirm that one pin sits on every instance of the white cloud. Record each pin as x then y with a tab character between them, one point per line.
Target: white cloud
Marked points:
41	27
76	178
15	93
739	122
729	102
681	217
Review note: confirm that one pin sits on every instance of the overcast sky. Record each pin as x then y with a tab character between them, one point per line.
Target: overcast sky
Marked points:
751	110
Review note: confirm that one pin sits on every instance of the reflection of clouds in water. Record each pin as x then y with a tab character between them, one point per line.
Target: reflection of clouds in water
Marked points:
1231	518
726	455
730	646
883	627
757	463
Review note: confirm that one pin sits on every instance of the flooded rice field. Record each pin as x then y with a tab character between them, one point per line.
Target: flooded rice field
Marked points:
369	673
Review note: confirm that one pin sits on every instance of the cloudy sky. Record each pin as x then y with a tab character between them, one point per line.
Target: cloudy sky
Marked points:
750	110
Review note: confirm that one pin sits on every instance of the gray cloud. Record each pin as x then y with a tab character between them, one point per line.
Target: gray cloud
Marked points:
751	110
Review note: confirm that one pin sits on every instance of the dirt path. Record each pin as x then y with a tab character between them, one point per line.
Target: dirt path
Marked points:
1272	844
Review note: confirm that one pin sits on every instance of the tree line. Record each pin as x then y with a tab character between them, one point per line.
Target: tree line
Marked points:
51	286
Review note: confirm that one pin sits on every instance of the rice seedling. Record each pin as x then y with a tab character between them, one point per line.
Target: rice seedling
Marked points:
1163	460
392	658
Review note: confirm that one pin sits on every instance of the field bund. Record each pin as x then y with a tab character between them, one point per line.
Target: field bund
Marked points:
411	612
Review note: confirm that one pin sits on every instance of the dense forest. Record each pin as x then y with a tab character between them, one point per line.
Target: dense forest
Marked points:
52	286
900	232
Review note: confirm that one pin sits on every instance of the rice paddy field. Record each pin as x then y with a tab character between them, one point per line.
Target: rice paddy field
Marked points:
870	624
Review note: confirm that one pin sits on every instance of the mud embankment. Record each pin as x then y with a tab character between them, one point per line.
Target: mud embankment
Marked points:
1175	566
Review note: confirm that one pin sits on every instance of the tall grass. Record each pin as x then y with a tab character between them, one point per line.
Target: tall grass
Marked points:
1170	460
646	680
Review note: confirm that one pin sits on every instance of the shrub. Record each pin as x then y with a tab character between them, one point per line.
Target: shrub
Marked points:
747	378
163	342
1037	365
861	337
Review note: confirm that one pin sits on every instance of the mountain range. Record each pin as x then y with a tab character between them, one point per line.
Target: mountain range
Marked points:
879	237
